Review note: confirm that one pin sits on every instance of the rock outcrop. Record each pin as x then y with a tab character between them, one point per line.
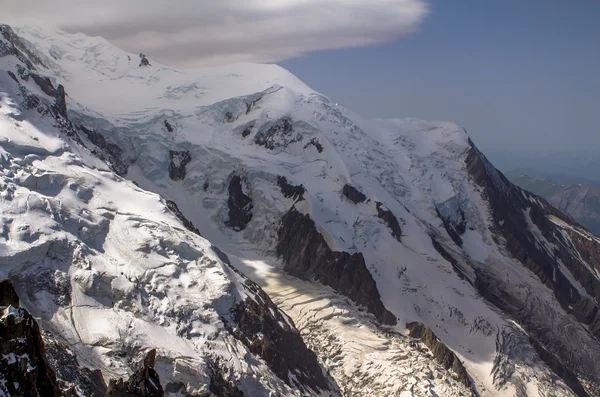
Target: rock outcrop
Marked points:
295	192
441	352
390	220
240	205
271	334
143	383
353	194
178	161
307	256
277	134
172	206
24	369
109	151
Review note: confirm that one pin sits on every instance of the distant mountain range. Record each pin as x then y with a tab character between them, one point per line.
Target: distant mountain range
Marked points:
578	197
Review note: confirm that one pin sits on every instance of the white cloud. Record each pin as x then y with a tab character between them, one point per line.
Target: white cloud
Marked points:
207	32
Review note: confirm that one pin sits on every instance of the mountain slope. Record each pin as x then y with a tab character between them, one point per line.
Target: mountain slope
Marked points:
370	234
579	200
111	270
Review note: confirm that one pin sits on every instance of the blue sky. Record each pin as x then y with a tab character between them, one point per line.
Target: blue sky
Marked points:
519	75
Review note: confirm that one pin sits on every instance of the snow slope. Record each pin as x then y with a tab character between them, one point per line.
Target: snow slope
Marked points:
259	122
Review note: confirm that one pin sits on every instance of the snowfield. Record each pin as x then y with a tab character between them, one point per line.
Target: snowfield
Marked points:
107	266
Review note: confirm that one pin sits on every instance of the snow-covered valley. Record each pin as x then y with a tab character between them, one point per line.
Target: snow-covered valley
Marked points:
143	206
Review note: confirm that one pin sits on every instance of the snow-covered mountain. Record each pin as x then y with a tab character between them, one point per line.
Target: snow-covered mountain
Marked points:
265	240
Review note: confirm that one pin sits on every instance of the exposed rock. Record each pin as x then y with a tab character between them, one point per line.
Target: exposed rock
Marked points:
353	194
229	117
559	368
219	386
24	369
442	354
12	75
307	256
172	206
8	295
144	61
453	218
68	370
295	192
179	159
168	126
315	142
510	206
269	333
240	206
277	134
390	220
17	48
143	383
112	151
247	131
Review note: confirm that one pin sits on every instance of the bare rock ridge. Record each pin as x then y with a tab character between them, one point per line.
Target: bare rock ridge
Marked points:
306	255
69	371
295	192
109	151
272	335
144	382
442	354
509	204
24	369
172	206
559	368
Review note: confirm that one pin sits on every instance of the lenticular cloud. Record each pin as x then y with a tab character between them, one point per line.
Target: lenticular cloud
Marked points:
198	33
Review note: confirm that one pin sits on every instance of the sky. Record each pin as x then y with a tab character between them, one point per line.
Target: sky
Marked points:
523	77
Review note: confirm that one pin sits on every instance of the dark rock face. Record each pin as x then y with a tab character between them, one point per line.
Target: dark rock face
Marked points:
559	368
269	333
247	131
440	351
390	220
24	369
16	47
172	206
295	192
277	134
8	295
229	117
179	159
144	61
168	126
454	228
509	205
307	256
240	206
143	383
353	194
315	142
219	386
110	151
69	371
